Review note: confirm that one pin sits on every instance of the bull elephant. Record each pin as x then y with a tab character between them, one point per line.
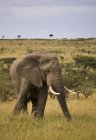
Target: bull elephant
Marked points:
32	76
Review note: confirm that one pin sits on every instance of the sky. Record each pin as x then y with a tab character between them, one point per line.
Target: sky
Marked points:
39	18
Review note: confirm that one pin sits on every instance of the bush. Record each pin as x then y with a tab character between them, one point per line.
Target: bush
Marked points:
80	81
87	88
7	61
85	62
6	89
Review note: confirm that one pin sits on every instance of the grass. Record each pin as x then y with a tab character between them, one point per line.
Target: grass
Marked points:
68	48
53	125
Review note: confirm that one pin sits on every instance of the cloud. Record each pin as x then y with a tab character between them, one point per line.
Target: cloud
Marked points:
30	3
48	12
39	17
45	8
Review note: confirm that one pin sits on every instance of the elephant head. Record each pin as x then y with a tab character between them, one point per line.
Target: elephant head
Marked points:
44	68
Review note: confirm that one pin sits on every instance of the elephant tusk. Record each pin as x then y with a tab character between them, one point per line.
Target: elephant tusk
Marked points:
52	91
70	91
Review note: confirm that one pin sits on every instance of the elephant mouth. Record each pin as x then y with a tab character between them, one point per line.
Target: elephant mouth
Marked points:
52	91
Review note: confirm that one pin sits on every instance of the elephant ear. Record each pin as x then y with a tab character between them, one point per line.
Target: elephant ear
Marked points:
28	68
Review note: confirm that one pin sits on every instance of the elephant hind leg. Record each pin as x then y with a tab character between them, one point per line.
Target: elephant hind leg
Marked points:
34	106
24	108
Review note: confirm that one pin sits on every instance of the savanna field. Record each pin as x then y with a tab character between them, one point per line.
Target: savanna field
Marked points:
79	76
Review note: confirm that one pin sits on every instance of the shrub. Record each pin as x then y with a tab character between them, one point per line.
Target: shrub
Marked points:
2	50
80	81
85	62
29	51
6	89
7	61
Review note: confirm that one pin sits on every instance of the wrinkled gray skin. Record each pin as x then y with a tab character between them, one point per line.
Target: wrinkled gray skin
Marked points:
31	76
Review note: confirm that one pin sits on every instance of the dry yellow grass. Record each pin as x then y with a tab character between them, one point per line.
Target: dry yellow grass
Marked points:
53	125
66	48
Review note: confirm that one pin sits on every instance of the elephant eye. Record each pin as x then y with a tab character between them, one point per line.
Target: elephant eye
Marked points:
47	71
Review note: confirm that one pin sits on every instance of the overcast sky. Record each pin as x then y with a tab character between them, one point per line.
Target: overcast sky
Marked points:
39	18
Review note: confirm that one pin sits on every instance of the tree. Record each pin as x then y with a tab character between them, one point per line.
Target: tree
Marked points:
50	35
85	62
19	36
3	36
81	81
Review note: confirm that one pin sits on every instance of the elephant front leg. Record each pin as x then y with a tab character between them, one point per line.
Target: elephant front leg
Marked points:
21	103
42	97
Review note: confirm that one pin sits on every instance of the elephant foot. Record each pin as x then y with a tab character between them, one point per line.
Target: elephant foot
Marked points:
24	111
34	114
68	116
16	112
37	115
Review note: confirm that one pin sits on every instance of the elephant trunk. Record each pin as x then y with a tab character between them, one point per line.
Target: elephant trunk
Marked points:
62	102
58	86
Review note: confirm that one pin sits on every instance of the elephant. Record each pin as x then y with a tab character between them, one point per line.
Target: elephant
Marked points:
32	75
